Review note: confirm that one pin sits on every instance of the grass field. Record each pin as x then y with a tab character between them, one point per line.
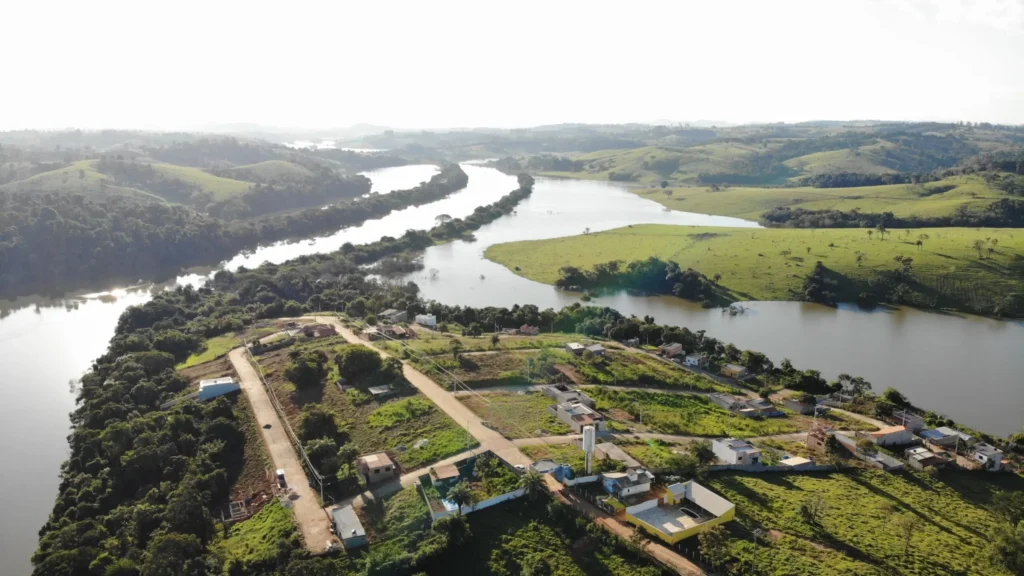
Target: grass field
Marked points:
398	524
271	170
770	264
686	415
81	177
652	164
654	454
394	424
256	540
932	199
561	453
220	188
215	348
505	368
857	534
434	343
517	415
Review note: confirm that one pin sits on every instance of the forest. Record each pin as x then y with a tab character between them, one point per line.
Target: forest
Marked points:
1003	213
650	276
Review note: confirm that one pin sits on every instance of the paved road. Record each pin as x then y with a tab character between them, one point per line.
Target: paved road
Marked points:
312	520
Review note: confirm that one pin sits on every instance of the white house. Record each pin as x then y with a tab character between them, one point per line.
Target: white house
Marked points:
393	316
577	415
574	347
622	484
733	451
697	360
428	320
217	387
991	458
892	436
906	418
348	527
670	349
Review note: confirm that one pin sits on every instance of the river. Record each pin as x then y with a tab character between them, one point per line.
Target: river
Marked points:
964	366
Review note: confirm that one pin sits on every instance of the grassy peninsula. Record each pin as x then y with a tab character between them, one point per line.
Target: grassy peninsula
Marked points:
948	268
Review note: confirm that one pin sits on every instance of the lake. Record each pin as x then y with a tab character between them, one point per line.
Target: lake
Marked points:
964	366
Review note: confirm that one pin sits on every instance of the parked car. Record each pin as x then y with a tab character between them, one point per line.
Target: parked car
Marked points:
280	479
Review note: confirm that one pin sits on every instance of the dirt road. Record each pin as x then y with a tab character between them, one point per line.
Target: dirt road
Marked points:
312	520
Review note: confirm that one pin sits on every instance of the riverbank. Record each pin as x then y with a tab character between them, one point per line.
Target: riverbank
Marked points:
948	270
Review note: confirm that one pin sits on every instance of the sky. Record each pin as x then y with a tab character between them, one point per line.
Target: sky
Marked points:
444	64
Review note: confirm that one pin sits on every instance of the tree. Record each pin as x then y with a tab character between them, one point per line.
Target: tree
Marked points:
712	544
317	421
716	277
532	483
356	361
1006	547
495	340
455	346
442	219
174	555
308	369
896	397
323	453
455	529
866	447
870	233
906	525
813	508
664	184
881	231
461	495
639	541
978	246
701	450
371	319
1010	507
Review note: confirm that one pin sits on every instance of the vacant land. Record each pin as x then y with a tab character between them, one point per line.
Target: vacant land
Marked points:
257	539
271	170
656	455
394	424
856	532
215	348
938	198
561	453
685	415
433	343
220	188
517	415
399	524
771	264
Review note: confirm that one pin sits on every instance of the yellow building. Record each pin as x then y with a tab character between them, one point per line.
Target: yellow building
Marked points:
686	510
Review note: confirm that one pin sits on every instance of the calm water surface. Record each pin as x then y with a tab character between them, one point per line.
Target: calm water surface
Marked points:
964	366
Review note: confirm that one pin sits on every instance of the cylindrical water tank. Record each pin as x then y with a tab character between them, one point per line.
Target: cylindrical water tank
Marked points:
589	438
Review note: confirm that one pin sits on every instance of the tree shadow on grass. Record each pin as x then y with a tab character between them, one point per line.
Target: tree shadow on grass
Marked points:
908	507
302	396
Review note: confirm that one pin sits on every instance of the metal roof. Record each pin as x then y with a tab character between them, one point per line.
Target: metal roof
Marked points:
347	523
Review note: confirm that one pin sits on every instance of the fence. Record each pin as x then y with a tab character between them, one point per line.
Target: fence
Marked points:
809	467
477	506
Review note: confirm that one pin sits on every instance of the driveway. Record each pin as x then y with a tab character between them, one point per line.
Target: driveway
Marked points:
313	522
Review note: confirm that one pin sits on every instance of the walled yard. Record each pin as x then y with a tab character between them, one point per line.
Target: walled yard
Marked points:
517	415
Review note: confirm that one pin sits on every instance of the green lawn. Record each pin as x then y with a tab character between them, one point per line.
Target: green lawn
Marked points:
630	368
256	540
81	177
857	534
432	343
931	199
399	524
271	170
687	415
654	454
771	264
220	188
517	415
215	348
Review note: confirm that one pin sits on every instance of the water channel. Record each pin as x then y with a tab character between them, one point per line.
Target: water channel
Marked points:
964	366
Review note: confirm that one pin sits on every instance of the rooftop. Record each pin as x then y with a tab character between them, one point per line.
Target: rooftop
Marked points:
378	390
376	460
737	445
696	505
389	312
795	461
222	380
445	471
947	431
888	430
595	348
734	367
574	346
987	450
697	356
618	454
629	479
577	408
347	523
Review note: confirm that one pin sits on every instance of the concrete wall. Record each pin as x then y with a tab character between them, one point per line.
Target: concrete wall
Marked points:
581	480
810	467
638	489
481	505
680	536
643	506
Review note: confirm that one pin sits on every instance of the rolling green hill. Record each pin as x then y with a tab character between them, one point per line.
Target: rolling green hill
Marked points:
80	177
652	164
771	264
271	170
220	188
932	199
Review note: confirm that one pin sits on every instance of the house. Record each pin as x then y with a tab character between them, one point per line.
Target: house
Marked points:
319	330
892	436
734	371
217	387
371	334
733	451
763	407
348	527
379	392
921	458
577	415
906	418
727	401
632	342
686	509
991	458
622	484
670	349
445	474
529	330
563	393
798	406
946	436
595	349
697	360
376	468
393	316
796	462
544	466
574	347
878	459
613	452
428	320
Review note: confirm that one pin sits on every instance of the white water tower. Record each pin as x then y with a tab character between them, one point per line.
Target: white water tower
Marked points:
589	441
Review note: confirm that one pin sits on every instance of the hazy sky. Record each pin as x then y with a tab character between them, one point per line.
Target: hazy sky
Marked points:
144	64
